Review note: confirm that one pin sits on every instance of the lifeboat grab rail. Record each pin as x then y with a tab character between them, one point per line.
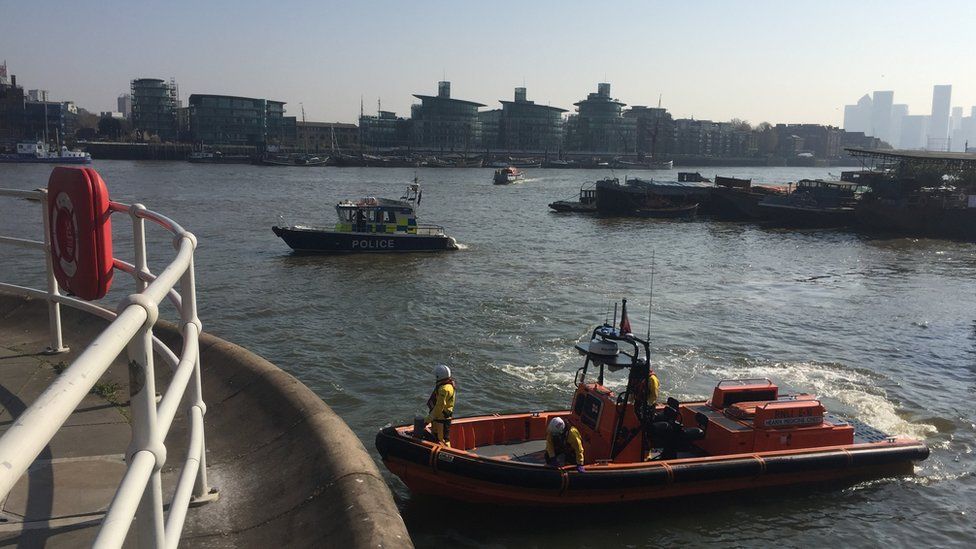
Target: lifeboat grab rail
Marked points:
140	493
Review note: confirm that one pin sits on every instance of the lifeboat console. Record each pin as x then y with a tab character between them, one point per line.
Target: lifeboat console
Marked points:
747	435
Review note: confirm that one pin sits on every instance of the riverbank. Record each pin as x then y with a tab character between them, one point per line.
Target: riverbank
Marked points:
181	151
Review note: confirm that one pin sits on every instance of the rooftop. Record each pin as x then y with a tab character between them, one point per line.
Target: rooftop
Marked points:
437	98
967	160
532	104
232	97
343	125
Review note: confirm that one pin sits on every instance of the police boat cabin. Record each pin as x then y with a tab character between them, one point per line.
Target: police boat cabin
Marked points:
626	446
371	224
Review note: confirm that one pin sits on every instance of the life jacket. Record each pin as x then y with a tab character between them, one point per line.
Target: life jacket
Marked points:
432	401
560	444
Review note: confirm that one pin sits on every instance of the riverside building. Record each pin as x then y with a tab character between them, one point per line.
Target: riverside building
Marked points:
654	130
524	125
384	131
154	108
11	109
445	124
599	126
326	136
232	120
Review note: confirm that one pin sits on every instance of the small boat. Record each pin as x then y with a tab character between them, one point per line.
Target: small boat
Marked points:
371	225
469	162
621	164
560	164
747	436
294	160
526	163
585	204
38	153
812	203
217	157
505	176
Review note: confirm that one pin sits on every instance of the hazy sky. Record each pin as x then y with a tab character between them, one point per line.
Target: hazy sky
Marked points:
779	61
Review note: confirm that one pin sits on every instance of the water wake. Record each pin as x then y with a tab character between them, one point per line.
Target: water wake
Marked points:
857	392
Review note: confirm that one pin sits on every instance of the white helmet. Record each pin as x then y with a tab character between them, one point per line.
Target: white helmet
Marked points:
556	426
441	371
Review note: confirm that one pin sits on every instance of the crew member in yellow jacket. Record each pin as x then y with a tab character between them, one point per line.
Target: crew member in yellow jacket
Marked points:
653	388
441	405
562	439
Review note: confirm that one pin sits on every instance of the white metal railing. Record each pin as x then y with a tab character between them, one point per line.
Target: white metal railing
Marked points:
140	493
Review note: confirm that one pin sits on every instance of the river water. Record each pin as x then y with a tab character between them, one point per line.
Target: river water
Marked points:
883	329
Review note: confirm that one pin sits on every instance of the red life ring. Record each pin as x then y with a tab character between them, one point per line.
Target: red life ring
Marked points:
81	231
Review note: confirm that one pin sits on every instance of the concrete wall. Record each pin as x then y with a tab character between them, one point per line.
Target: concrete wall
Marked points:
289	471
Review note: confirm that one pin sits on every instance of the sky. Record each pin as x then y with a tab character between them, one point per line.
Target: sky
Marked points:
776	61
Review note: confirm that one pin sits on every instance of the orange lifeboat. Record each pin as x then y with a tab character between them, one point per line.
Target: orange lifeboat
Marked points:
746	436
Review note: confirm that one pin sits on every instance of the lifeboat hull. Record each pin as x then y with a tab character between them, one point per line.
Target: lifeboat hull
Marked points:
428	468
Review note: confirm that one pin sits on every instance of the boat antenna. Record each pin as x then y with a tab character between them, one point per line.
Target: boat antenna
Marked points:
614	314
650	300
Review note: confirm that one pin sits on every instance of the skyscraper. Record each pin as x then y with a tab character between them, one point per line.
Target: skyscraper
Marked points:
898	114
881	115
125	105
912	135
938	128
857	118
957	137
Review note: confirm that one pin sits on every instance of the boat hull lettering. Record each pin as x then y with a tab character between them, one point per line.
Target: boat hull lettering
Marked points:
373	244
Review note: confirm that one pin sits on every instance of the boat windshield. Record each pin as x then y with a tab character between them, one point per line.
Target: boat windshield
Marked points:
359	214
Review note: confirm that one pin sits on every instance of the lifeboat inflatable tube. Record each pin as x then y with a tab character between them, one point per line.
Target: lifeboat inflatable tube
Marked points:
431	468
747	436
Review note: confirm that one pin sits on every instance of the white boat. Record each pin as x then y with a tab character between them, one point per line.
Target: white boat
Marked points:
39	153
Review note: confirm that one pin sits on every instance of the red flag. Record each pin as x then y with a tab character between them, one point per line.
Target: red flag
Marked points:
624	321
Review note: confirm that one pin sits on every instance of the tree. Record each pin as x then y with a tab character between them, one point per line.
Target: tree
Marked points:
740	125
767	139
110	128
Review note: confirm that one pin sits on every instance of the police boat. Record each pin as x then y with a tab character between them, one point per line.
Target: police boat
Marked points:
371	225
748	435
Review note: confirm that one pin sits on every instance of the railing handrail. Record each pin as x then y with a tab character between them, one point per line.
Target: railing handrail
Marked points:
140	492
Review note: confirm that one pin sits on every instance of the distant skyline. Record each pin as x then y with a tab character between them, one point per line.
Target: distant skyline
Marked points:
757	61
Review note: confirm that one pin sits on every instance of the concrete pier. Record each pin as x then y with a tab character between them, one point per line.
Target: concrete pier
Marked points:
290	473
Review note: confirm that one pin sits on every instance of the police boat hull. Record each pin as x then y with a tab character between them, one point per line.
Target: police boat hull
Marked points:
313	240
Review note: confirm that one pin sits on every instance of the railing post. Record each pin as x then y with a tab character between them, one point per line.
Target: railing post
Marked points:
145	433
139	243
188	314
53	307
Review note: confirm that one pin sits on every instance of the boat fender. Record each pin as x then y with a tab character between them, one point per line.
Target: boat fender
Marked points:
81	231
